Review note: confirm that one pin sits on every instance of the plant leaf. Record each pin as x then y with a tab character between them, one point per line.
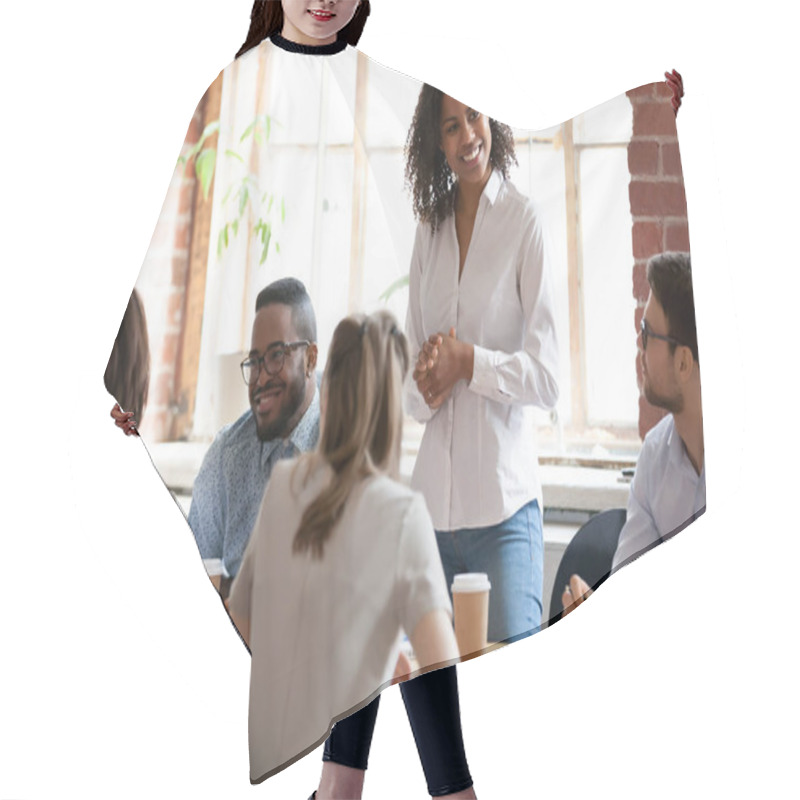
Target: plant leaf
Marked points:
204	166
234	154
248	130
244	196
265	250
209	130
398	284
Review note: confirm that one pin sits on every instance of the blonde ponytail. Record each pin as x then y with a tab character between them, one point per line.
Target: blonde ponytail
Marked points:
362	429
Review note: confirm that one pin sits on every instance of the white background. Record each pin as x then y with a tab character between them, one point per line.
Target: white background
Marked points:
119	674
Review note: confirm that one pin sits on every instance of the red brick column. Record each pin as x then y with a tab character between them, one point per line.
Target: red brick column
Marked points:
658	202
169	256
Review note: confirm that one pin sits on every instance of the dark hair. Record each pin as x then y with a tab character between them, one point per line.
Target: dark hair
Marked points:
266	19
670	279
127	374
427	173
291	292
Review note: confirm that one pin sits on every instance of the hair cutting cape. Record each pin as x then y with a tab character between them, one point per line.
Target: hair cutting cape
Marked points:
293	165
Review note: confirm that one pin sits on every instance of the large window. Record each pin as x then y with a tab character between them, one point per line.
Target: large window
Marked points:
332	198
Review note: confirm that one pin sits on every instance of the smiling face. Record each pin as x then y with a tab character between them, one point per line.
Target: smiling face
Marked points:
660	371
466	141
315	22
278	401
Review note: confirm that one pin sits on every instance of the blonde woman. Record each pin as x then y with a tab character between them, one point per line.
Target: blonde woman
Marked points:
341	561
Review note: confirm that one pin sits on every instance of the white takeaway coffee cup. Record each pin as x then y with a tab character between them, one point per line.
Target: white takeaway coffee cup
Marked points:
216	570
471	611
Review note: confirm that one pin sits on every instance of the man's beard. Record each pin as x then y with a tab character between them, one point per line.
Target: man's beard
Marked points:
280	427
673	404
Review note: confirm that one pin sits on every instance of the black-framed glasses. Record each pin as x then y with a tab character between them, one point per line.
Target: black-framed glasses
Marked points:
272	361
648	334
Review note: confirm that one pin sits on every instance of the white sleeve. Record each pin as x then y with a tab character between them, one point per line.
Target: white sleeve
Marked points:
419	577
415	333
528	375
639	532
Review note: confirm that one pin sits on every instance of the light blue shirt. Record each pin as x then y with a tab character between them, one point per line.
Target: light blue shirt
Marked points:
230	485
666	493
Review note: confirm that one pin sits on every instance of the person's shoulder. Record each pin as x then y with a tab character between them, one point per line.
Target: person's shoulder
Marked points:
659	434
424	233
654	454
385	487
515	203
529	206
390	496
250	60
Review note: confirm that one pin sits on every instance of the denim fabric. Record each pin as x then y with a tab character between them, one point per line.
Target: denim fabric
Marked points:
512	555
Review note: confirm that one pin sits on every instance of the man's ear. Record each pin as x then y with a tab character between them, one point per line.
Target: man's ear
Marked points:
684	362
311	359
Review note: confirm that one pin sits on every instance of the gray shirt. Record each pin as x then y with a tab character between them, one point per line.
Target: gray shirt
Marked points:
229	487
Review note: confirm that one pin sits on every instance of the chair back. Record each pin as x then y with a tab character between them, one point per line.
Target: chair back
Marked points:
589	554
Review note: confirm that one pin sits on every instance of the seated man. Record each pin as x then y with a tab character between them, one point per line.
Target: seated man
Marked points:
282	422
668	490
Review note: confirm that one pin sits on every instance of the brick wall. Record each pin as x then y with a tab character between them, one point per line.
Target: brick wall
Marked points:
162	284
658	202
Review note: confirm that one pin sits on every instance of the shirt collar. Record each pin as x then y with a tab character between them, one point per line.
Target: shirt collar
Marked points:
308	49
492	188
678	452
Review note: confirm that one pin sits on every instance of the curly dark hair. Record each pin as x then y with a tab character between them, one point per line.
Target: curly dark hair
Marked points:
428	175
266	19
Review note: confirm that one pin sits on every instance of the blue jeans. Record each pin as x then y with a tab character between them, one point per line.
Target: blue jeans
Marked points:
512	555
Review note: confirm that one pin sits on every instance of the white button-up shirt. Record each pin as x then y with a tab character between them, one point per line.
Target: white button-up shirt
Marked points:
477	464
666	493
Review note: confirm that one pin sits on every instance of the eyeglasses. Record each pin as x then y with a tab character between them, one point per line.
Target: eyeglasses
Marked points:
648	334
272	360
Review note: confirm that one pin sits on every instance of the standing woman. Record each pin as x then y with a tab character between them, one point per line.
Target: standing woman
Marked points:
481	317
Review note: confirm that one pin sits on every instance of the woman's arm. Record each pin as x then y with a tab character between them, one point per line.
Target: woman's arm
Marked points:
433	639
528	375
414	402
421	596
242	624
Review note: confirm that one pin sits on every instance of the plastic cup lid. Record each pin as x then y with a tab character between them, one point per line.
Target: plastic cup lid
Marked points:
471	582
214	566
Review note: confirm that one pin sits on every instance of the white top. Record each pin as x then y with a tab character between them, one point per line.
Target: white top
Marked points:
477	464
666	493
325	633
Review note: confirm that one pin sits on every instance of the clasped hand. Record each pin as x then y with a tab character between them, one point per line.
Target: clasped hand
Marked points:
442	362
